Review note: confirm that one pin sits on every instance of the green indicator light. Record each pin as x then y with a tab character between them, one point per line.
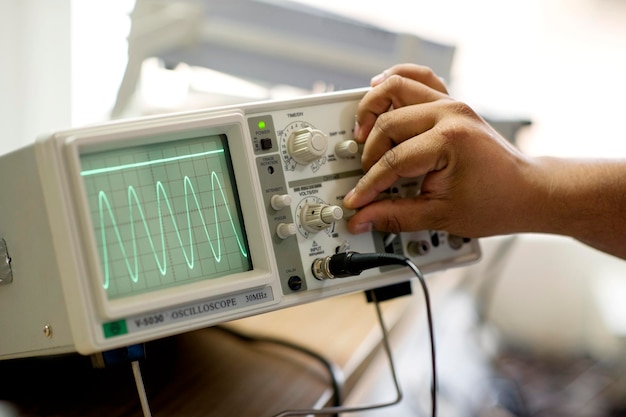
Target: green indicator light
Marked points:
115	328
262	125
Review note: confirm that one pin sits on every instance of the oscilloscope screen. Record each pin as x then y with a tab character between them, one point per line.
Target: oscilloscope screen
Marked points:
165	214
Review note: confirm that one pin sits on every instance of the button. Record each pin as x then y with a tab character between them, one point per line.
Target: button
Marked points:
266	143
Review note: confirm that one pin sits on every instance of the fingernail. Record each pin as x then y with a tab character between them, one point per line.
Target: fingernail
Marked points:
377	79
357	130
362	228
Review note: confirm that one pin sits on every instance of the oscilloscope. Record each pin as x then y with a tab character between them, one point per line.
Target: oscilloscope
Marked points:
129	231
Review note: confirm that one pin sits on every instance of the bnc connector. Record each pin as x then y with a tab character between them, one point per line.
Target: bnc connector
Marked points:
321	269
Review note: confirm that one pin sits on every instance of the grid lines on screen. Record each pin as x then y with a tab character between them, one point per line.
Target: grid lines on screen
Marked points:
164	214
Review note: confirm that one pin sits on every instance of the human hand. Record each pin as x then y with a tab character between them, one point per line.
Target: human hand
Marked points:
411	127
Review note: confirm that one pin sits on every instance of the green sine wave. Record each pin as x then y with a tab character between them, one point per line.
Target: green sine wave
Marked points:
137	218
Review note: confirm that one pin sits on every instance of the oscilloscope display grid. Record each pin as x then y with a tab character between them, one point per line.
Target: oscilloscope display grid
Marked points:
164	214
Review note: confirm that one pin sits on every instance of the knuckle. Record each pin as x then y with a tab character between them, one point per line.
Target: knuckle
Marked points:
394	83
384	124
390	159
456	127
461	109
427	72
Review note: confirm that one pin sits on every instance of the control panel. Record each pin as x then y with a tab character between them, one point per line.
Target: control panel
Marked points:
307	162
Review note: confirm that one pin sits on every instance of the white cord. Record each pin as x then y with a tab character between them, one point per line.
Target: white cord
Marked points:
141	390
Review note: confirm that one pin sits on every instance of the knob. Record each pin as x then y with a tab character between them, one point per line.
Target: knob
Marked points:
279	201
315	217
284	230
346	148
418	248
307	145
455	242
331	214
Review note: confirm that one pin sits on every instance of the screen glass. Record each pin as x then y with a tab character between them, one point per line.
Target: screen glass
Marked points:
165	214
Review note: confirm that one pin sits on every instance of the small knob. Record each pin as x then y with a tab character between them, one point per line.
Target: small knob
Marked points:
418	248
346	148
284	230
307	145
331	214
279	201
315	217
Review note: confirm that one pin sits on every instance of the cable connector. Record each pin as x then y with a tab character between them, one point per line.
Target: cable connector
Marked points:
348	264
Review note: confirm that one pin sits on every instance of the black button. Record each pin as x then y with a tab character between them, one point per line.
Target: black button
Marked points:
434	239
295	283
266	143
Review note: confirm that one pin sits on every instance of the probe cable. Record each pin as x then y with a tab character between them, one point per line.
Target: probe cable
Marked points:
347	264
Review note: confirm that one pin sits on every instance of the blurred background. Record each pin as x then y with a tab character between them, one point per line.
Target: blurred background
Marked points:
558	62
551	72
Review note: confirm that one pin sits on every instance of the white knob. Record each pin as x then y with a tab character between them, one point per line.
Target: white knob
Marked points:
346	148
279	201
307	145
284	230
315	217
331	214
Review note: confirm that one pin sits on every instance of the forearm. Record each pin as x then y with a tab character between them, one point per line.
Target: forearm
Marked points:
584	199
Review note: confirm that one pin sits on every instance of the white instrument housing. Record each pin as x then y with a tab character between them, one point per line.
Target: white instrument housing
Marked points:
130	231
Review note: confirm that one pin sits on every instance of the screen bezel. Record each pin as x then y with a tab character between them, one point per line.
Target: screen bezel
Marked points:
231	125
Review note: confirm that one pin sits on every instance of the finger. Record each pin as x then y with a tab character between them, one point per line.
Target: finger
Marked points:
410	159
395	127
395	92
420	73
402	215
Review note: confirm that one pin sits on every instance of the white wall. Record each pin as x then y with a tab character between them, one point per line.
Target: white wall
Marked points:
561	62
99	55
62	61
35	72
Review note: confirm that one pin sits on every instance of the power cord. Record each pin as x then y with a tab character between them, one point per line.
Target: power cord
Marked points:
132	354
141	390
342	409
336	374
347	264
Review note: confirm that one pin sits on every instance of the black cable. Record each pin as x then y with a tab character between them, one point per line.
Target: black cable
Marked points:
353	263
342	409
345	265
334	371
348	264
431	334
